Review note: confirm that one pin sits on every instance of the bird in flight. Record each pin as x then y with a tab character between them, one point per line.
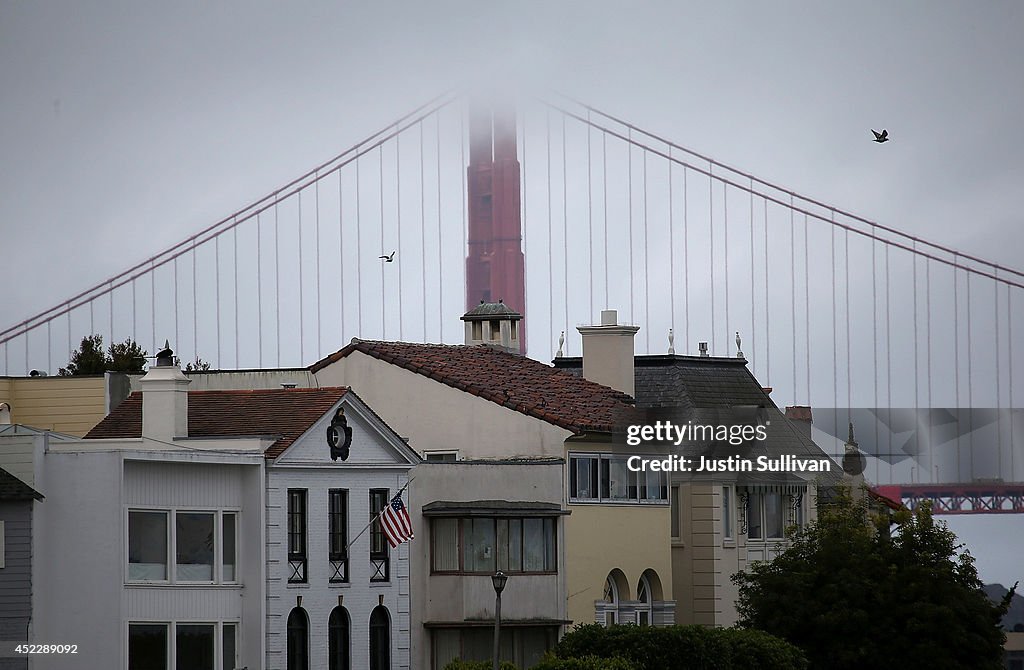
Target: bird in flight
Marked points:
388	259
881	136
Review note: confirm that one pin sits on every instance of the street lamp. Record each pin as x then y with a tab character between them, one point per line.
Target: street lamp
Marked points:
498	580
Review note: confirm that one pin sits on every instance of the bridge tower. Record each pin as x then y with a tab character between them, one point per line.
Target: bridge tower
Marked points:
495	266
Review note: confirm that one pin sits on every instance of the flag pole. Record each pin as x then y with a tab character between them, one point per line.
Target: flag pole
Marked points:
367	526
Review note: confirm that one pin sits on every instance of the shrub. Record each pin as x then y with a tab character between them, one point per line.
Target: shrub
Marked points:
585	663
682	648
477	665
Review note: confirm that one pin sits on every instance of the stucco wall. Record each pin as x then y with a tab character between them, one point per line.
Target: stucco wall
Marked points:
439	417
458	598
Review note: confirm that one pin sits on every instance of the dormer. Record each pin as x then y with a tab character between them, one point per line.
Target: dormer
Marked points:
494	324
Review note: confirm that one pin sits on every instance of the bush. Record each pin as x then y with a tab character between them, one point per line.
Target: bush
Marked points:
477	665
585	663
682	648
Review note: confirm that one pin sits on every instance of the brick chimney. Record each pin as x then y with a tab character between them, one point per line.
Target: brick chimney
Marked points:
164	399
608	353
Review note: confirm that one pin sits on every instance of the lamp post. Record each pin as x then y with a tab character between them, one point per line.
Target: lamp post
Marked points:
498	580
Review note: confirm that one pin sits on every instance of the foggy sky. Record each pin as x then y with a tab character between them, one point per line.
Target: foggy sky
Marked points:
127	127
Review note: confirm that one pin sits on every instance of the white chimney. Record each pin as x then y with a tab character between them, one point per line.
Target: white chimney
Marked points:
164	399
608	353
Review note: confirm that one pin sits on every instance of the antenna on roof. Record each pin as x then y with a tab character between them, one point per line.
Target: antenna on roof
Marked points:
671	342
561	343
739	346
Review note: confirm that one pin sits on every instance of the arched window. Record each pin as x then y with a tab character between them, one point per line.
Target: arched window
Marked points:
338	639
298	640
380	639
643	595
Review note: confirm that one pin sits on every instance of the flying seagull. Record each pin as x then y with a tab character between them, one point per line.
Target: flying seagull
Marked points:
881	136
388	259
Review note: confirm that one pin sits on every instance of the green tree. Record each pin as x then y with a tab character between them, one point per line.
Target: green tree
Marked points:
90	359
198	365
853	596
127	356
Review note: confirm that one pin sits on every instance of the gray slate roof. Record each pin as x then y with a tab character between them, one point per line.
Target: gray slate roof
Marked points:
12	488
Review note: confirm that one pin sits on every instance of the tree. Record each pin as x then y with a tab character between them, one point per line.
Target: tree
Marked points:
853	597
90	359
198	365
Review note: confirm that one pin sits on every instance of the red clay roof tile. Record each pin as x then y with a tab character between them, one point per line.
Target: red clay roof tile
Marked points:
517	382
285	413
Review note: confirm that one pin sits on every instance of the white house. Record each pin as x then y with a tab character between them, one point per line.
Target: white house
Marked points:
212	530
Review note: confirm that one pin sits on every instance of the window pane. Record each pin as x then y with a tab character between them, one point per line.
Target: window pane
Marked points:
446	647
515	545
378	542
296	523
380	639
338	522
228	522
228	646
675	512
194	546
194	647
446	544
774	515
726	511
584	480
502	544
631	485
618	479
478	555
147	647
533	545
147	545
754	517
549	545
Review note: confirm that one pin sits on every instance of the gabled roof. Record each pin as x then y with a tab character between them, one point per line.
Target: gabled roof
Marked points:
12	488
516	382
284	413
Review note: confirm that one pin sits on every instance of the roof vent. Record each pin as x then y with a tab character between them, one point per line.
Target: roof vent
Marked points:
702	347
288	385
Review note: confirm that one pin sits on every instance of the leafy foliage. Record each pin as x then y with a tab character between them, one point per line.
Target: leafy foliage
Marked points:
198	365
477	665
90	359
551	662
854	596
679	648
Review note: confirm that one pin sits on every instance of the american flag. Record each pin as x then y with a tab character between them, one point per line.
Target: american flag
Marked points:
396	523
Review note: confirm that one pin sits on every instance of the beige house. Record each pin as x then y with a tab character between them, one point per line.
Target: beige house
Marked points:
494	416
71	405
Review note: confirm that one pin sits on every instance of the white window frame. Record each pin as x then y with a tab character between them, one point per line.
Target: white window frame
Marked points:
172	638
574	457
172	555
440	452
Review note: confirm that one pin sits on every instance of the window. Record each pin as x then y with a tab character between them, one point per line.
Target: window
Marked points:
338	639
147	546
514	329
147	646
495	330
478	330
297	536
766	514
727	512
643	594
337	521
379	562
380	639
229	644
674	534
184	645
194	533
524	646
483	545
194	646
204	546
298	640
607	478
611	596
441	456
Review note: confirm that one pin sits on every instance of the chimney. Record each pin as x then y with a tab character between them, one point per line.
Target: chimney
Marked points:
494	324
608	353
800	417
164	399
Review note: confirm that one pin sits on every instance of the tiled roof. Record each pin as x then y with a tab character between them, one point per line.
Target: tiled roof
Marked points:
285	413
516	382
12	488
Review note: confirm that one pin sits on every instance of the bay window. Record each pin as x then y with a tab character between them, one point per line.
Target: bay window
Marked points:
607	478
483	545
201	544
